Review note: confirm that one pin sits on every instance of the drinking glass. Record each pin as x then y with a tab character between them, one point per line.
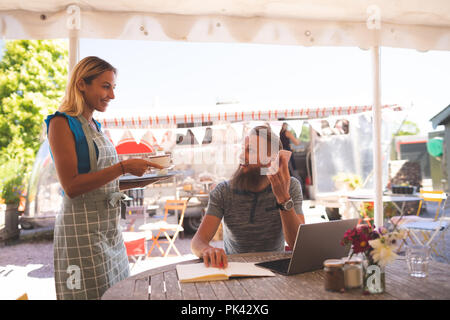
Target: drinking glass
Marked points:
417	259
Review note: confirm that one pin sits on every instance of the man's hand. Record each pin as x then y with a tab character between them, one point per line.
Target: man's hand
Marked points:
215	257
281	179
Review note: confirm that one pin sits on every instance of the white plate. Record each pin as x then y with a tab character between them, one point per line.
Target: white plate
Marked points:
146	177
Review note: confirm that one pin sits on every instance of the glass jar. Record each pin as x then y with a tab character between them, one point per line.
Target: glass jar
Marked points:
353	273
334	275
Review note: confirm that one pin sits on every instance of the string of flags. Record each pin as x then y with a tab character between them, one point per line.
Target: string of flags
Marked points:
157	130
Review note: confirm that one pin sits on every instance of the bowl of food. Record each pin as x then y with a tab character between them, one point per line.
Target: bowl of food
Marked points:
162	160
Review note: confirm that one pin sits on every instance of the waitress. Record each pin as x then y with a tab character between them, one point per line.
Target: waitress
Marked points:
89	252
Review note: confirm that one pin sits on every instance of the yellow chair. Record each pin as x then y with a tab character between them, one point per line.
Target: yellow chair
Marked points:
431	196
23	297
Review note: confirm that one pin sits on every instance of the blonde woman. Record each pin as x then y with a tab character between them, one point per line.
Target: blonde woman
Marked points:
89	253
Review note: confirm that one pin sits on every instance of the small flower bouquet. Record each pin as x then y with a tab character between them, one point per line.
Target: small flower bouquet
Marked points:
367	209
347	181
377	247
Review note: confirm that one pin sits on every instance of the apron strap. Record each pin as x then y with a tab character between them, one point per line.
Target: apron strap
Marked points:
90	143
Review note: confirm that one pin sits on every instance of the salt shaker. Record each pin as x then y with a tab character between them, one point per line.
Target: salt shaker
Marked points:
353	273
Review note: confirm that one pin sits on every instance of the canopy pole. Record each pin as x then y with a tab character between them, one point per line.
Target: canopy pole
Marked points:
377	154
74	49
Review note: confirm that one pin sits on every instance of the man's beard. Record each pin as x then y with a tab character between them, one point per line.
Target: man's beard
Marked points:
248	181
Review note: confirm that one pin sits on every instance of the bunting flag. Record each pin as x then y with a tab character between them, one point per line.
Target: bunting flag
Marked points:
116	135
332	121
224	131
158	134
108	134
316	125
199	133
138	134
276	126
148	137
297	126
168	140
171	121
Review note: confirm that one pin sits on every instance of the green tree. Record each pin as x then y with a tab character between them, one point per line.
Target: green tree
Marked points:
408	128
33	76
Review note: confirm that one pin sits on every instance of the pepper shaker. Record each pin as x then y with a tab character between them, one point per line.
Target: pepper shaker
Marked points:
334	275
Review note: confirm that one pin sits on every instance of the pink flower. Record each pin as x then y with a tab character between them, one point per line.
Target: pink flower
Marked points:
359	238
361	244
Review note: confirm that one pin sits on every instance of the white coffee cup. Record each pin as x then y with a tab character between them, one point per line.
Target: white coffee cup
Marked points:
163	160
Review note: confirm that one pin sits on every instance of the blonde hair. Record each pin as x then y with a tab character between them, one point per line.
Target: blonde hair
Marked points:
87	69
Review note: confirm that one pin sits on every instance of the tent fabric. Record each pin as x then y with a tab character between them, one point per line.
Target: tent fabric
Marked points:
172	120
423	25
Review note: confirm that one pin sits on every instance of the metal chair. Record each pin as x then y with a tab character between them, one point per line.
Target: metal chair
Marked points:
163	227
431	196
135	244
425	230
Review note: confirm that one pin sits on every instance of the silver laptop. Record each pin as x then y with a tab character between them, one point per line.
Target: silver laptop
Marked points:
314	244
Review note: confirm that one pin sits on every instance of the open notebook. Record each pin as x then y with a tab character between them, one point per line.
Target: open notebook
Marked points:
199	272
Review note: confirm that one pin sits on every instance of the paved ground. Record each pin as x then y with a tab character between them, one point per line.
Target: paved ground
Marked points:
27	265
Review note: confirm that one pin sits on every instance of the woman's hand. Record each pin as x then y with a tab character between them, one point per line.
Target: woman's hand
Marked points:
138	167
215	257
281	180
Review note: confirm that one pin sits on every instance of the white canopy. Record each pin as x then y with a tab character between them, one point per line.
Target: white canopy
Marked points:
423	25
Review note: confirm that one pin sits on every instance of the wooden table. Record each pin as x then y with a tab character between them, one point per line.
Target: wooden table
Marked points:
162	284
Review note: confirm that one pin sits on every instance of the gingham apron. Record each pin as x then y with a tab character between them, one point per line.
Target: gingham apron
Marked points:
89	252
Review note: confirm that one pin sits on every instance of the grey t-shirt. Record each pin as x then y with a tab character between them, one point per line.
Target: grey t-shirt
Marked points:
251	220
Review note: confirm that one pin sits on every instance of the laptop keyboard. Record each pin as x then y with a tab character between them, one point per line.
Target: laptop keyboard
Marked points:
281	265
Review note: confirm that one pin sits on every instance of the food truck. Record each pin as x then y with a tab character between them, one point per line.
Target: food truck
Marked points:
205	150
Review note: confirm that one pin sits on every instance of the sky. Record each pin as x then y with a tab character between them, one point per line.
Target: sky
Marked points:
163	76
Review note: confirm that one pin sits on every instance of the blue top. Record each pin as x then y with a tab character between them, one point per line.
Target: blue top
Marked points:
81	145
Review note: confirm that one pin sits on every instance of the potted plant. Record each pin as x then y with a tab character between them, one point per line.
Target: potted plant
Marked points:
347	181
367	210
11	190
